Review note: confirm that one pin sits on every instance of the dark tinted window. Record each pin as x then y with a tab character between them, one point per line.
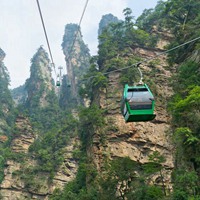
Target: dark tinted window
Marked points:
140	99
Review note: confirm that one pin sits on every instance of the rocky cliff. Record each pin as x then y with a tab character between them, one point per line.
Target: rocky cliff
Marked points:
12	186
40	81
25	175
77	59
138	140
6	102
44	136
20	181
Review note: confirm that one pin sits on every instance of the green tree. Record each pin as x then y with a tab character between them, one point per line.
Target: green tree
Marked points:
152	18
182	22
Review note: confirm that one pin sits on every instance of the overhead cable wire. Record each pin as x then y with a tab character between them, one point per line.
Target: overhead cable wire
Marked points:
147	60
76	34
45	32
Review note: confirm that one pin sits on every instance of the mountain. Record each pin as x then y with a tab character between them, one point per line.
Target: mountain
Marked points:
7	114
77	59
72	142
106	20
116	156
19	94
44	135
6	102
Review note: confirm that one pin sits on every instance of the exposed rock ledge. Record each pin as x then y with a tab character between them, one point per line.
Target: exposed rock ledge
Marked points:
140	139
14	187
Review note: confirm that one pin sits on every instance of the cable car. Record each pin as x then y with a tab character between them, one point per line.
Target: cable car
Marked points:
68	81
137	103
58	83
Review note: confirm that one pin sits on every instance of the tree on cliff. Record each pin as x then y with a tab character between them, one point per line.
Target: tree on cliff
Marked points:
77	58
185	107
6	102
7	114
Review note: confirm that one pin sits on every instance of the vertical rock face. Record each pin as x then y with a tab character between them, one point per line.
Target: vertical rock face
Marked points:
23	137
105	21
137	140
6	102
12	186
40	81
23	176
16	185
67	171
19	95
77	58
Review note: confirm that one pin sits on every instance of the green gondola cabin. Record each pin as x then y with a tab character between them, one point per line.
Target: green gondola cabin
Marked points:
57	83
137	103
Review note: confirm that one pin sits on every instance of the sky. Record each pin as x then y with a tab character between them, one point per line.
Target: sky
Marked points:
21	32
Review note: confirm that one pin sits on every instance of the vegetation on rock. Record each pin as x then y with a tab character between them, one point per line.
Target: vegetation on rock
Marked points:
56	121
7	114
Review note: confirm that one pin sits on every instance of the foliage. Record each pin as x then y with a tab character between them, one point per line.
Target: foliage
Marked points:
77	58
77	189
19	94
70	30
119	36
91	120
185	107
154	164
130	75
151	18
183	17
83	187
66	99
92	82
119	183
7	115
186	185
122	178
48	149
37	85
187	77
54	126
2	162
71	39
42	103
105	21
5	154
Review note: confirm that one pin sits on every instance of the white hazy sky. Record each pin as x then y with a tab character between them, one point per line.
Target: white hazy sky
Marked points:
21	32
